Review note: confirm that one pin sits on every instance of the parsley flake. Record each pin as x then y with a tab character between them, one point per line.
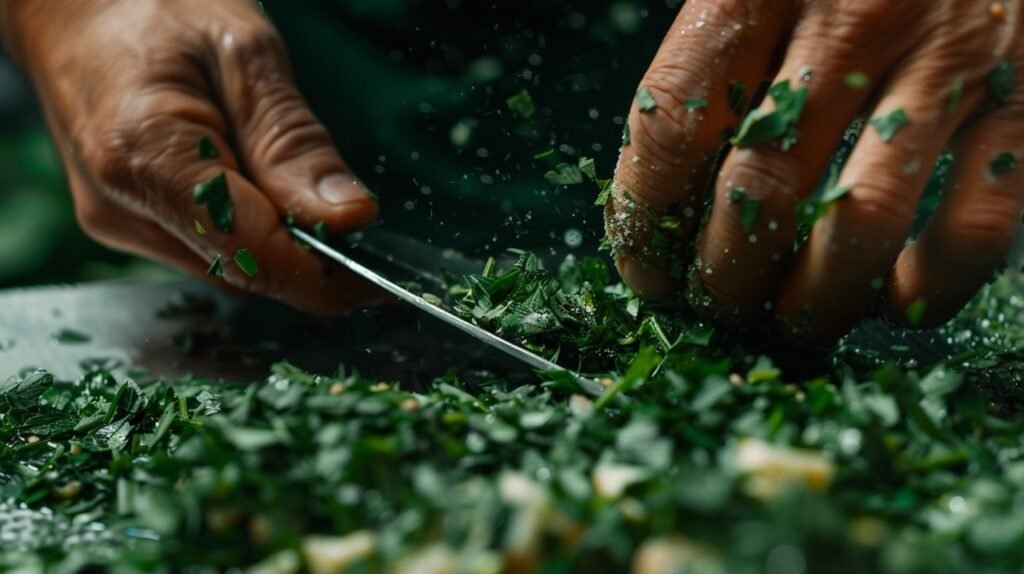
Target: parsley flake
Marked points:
888	125
199	228
737	97
694	104
1002	80
645	100
625	132
564	174
215	195
320	231
761	126
737	194
70	337
207	149
915	312
522	104
956	94
750	210
216	268
857	80
1003	163
246	262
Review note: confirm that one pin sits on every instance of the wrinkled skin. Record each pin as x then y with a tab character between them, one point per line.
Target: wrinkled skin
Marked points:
856	261
130	86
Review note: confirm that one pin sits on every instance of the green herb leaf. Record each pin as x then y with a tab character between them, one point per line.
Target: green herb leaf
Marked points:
215	195
564	174
625	132
857	80
956	95
761	126
70	337
1003	163
207	149
199	228
737	98
695	104
522	104
320	231
216	268
749	213
645	101
916	311
246	262
888	125
1002	81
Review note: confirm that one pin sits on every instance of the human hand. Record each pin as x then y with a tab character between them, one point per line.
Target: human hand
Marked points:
131	87
946	64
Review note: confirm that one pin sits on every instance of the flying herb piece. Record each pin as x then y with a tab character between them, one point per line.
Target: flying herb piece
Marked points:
916	311
737	194
564	174
246	262
215	195
550	152
207	149
834	193
645	100
605	192
70	337
625	132
956	95
888	125
216	268
694	104
762	126
750	210
588	168
320	231
522	104
1003	163
1002	81
737	98
857	80
371	194
199	228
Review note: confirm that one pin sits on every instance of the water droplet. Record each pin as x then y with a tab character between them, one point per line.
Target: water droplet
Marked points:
573	238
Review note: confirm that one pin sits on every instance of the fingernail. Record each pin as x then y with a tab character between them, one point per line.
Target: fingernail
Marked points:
340	188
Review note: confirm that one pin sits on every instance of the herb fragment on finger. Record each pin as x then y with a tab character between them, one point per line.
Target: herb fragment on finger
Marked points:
564	174
888	125
215	195
320	231
1001	81
216	268
737	98
762	126
915	312
207	149
956	95
199	228
750	210
695	104
857	80
625	132
522	104
247	262
645	101
1003	163
737	194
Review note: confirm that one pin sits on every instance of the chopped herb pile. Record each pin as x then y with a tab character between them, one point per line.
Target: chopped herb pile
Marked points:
718	461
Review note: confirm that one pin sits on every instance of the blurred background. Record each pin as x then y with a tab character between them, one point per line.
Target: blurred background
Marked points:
40	242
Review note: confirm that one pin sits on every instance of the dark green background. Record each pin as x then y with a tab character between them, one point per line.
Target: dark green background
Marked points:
414	92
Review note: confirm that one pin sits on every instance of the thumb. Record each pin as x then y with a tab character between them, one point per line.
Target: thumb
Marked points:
282	146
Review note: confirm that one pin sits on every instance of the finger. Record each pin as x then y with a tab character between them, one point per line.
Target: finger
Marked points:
282	147
825	81
974	229
839	273
672	148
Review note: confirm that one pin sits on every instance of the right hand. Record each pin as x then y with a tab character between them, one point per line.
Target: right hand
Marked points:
129	87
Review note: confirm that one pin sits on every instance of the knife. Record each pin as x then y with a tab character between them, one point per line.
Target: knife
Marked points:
371	254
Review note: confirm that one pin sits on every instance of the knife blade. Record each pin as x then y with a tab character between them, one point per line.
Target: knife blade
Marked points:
371	255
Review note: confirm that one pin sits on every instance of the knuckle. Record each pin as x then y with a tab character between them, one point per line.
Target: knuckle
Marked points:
254	40
880	205
989	226
288	128
770	175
